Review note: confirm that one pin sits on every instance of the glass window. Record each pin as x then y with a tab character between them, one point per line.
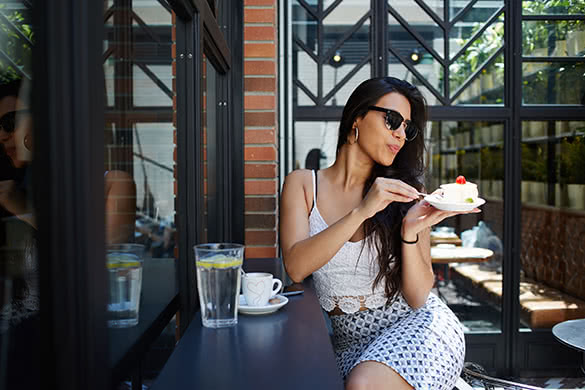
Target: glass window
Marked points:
552	7
19	278
553	82
315	144
210	175
476	56
473	290
553	205
466	27
556	80
555	38
140	172
345	44
404	48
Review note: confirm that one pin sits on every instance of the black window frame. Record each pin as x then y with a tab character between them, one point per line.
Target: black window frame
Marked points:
69	109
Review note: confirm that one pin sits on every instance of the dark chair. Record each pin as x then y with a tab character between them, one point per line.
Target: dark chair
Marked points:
474	375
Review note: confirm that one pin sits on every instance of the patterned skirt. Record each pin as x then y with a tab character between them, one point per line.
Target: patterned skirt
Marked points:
425	346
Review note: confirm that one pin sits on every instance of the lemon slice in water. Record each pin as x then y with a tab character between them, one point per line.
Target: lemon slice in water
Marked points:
219	261
122	260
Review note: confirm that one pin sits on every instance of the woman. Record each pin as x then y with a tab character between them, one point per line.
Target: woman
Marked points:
356	226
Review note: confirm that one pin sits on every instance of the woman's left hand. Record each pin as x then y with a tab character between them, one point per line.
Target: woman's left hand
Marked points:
422	216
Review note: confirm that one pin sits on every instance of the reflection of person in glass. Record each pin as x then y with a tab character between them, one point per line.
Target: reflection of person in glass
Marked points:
313	159
19	287
120	198
358	229
16	138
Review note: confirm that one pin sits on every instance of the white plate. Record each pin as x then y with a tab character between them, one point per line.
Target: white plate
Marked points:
258	310
437	202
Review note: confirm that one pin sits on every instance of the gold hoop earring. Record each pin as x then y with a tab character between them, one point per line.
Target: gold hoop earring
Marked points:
27	142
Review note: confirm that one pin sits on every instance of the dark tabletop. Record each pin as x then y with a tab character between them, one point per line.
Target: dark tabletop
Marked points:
158	303
571	333
288	349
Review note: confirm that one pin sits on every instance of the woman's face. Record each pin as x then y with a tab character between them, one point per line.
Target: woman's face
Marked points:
23	128
379	143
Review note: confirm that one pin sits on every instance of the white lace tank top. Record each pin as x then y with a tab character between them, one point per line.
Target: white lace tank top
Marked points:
346	280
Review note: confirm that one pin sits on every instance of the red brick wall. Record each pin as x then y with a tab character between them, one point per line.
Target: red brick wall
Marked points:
260	132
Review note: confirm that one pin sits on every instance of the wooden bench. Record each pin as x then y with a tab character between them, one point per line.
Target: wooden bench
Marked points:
552	261
541	306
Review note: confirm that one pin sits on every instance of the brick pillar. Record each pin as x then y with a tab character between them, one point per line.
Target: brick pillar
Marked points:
260	132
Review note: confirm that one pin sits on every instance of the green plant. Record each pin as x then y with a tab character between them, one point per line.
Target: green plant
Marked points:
475	56
534	162
573	160
492	163
16	37
539	34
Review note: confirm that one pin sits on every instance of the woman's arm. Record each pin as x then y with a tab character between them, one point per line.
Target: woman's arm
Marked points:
120	207
14	200
303	254
417	270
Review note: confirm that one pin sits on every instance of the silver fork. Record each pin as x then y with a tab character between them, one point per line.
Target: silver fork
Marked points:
421	194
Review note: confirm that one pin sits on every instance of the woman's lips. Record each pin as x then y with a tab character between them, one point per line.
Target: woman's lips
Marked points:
11	152
394	148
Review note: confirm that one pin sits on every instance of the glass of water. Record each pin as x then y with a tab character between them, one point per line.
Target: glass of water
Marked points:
124	264
218	280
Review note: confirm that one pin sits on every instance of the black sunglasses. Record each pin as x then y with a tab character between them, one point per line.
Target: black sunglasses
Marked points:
394	120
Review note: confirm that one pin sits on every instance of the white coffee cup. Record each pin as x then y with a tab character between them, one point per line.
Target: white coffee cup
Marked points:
258	288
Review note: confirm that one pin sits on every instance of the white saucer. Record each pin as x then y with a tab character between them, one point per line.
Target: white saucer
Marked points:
437	202
259	310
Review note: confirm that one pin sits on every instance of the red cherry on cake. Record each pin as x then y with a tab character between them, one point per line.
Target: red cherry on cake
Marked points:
460	180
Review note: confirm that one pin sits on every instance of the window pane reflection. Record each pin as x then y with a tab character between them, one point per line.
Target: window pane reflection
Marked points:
472	288
209	128
476	55
487	87
540	7
19	278
471	22
140	170
553	203
565	38
411	51
315	144
553	83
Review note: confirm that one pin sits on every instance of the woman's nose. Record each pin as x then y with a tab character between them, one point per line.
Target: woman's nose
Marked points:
400	132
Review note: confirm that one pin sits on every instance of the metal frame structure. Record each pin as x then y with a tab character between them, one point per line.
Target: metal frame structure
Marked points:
70	113
510	352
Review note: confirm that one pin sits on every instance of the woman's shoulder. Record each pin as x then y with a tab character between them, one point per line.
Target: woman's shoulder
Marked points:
117	175
301	177
299	185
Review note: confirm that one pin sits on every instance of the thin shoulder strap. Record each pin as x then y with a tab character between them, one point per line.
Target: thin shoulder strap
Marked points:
314	172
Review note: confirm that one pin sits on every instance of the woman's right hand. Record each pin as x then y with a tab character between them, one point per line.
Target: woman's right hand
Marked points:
383	192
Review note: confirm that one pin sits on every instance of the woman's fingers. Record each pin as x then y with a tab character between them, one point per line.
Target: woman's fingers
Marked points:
399	186
402	191
396	197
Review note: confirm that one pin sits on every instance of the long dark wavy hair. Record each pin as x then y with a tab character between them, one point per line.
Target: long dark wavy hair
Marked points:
383	229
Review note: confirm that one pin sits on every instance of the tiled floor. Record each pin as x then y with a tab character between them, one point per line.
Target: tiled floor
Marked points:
556	383
551	383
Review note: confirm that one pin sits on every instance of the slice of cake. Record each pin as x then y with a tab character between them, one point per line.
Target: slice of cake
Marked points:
460	192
